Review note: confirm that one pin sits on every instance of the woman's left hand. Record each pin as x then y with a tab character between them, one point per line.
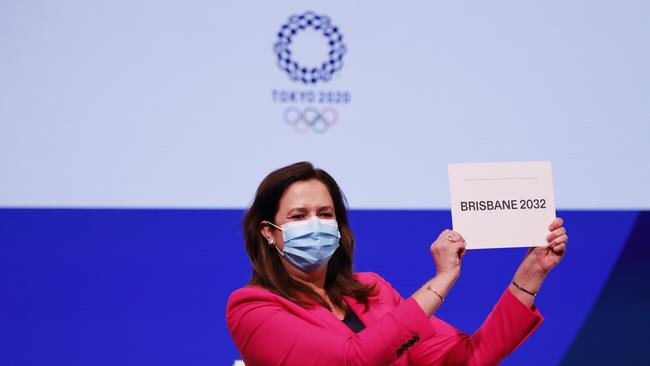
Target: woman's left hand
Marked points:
547	257
538	263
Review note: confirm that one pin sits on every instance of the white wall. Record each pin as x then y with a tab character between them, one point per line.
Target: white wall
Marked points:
153	104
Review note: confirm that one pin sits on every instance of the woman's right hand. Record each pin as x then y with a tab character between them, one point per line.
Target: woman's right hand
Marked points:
447	252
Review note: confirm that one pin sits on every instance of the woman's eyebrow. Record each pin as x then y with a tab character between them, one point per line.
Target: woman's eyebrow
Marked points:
296	209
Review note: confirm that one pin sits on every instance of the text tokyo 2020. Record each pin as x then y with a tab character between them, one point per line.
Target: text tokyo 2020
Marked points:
311	96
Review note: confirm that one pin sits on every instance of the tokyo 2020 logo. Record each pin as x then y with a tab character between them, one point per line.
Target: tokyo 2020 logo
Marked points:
309	48
300	72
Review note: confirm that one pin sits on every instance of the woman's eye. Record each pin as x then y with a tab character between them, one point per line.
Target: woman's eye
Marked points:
296	217
326	214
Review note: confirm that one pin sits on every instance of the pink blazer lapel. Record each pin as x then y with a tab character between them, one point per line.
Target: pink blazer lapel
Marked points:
331	321
365	317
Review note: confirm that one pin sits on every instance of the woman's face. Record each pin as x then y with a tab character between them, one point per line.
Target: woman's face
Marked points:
301	201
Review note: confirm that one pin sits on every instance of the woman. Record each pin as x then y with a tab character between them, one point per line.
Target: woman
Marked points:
305	306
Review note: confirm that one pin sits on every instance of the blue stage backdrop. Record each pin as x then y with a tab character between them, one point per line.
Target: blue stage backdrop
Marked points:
133	287
133	134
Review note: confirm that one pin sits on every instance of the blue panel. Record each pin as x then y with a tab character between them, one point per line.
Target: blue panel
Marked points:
133	287
118	287
618	324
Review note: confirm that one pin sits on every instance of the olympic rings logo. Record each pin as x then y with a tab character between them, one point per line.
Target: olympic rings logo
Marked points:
310	118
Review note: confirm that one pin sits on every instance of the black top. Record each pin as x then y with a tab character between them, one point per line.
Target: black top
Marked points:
353	322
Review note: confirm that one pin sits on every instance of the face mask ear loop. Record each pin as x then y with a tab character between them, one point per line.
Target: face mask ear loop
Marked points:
279	228
279	251
272	224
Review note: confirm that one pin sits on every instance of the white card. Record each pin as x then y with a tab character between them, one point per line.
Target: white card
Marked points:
502	205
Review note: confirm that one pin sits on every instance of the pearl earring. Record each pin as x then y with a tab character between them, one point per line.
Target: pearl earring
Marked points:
271	242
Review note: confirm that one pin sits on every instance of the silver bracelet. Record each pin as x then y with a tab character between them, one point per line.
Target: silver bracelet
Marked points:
534	294
435	292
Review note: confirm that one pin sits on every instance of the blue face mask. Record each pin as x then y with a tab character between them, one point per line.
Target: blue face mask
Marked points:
309	244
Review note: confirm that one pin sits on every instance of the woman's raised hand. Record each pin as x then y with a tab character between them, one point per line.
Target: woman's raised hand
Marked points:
538	262
545	258
447	252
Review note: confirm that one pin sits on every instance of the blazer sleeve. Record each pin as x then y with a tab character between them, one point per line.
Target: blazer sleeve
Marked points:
267	332
504	329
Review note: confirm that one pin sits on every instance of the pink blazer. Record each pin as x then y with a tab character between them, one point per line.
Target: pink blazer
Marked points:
271	330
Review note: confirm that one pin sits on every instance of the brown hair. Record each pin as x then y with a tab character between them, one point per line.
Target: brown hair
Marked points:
268	271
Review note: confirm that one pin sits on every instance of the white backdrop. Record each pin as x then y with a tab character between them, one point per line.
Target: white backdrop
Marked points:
161	104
